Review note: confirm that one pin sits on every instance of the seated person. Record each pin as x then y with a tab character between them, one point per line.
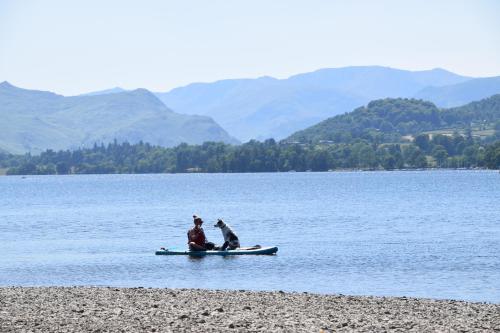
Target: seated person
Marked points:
196	237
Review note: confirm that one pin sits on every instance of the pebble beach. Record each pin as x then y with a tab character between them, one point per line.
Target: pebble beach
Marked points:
99	309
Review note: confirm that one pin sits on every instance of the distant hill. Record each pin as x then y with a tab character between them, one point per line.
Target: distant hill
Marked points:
105	92
387	120
33	121
461	93
268	107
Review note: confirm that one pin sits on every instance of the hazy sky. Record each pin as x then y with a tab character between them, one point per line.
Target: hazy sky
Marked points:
72	47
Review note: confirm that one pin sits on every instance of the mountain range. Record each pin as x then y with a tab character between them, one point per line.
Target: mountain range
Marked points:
33	121
260	108
268	107
461	93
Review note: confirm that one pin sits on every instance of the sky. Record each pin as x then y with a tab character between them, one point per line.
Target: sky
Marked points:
73	47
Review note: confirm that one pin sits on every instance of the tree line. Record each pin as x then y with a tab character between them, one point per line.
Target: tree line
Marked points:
441	151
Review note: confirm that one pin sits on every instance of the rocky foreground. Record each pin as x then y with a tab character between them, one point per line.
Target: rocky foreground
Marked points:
80	309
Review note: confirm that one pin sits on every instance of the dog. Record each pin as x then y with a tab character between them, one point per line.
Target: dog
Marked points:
231	241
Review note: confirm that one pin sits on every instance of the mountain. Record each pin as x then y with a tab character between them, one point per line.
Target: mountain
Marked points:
461	93
33	121
105	92
388	120
269	107
374	82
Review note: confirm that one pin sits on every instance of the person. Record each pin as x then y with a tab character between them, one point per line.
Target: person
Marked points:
197	240
196	235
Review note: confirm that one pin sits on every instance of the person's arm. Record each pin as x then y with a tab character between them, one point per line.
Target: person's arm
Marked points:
204	237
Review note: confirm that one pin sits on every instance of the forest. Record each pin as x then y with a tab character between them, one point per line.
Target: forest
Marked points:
440	151
397	119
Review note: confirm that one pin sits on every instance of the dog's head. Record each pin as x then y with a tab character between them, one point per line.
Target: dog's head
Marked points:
219	224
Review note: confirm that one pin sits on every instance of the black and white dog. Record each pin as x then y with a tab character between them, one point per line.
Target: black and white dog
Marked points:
231	241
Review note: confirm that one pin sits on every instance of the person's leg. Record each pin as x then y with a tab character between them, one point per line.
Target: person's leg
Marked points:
195	247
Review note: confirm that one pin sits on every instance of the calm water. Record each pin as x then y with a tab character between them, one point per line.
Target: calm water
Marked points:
427	234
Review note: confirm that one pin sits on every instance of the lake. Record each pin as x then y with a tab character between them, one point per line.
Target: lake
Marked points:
404	233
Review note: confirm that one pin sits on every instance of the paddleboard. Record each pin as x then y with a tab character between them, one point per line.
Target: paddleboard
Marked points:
237	252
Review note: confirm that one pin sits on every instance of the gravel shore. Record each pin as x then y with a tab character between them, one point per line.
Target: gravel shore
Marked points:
77	309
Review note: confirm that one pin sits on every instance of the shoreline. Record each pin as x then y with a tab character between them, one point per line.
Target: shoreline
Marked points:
66	309
263	172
